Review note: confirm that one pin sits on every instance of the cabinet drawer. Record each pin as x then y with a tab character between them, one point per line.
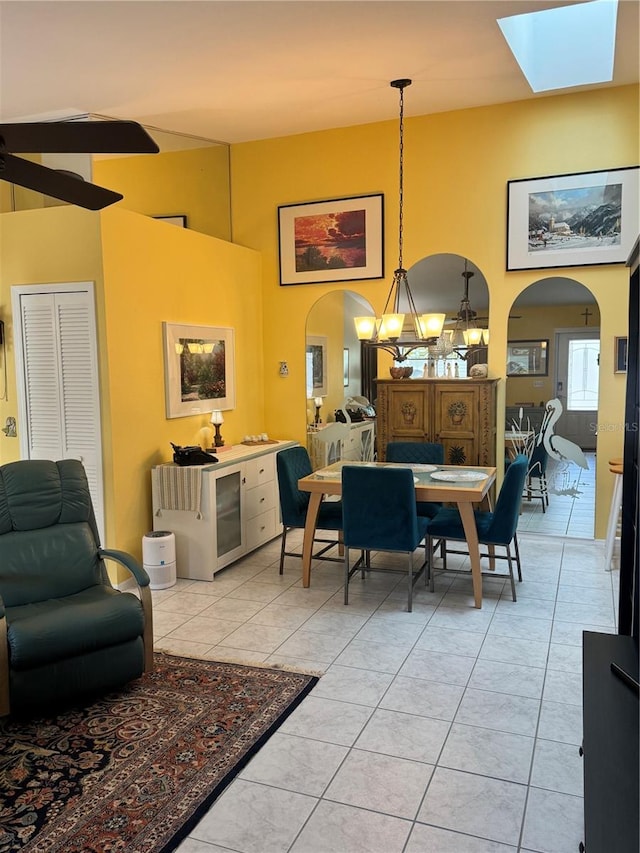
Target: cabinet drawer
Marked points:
259	470
260	529
259	499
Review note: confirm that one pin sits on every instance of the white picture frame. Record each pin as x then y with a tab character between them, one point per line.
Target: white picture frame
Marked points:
198	380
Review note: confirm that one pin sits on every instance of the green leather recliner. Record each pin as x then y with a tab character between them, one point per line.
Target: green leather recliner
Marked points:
65	632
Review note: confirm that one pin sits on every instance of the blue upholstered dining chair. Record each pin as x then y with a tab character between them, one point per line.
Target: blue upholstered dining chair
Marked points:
291	465
379	514
418	453
494	528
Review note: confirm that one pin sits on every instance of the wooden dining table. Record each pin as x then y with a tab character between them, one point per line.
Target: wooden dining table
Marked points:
465	494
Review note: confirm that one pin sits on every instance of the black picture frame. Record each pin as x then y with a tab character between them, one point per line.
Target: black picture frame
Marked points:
621	354
340	239
598	224
180	220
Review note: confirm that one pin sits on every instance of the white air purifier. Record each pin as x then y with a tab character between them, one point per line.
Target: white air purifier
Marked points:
159	558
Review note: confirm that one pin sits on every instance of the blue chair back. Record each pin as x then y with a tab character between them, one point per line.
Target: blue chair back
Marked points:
379	509
507	509
291	465
415	452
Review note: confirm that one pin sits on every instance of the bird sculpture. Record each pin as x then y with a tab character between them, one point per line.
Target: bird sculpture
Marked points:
556	446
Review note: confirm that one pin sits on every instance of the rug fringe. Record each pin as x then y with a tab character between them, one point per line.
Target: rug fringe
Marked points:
239	661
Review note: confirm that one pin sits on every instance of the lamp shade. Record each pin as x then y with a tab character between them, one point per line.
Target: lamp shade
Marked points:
365	327
431	325
391	327
318	401
472	336
216	417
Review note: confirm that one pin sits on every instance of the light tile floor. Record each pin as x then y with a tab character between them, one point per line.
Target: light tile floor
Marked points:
572	500
444	730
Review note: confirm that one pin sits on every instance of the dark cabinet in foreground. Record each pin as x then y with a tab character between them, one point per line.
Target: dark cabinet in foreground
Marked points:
610	745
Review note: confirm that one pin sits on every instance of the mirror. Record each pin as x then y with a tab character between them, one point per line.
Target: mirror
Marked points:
455	286
333	358
553	353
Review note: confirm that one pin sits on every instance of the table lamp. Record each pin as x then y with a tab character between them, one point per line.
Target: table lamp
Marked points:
318	404
217	420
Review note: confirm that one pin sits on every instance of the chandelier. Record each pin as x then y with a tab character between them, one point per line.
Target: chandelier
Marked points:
389	331
466	337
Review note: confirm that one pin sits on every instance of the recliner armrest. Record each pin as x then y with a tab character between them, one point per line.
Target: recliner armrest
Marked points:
128	561
142	578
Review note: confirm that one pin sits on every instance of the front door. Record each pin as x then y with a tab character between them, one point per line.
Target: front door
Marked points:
576	383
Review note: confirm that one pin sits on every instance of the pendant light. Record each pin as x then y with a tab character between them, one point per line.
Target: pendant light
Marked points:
467	334
386	332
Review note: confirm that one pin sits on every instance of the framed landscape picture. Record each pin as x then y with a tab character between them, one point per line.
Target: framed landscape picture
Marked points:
577	220
198	369
337	240
527	358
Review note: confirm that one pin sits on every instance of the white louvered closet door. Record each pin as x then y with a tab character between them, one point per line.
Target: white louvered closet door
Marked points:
56	361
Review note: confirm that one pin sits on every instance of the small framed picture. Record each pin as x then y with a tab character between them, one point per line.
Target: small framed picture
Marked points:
620	355
316	366
180	220
527	358
337	240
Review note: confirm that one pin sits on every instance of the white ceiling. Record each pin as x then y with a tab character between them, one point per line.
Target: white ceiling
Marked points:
242	70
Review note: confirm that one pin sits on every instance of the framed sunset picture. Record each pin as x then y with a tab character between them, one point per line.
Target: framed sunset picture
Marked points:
337	240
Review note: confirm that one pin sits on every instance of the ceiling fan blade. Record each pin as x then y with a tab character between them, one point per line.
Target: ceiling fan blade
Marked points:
74	190
77	137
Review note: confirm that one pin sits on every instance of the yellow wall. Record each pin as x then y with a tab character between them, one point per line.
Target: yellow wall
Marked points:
457	166
537	323
153	272
194	183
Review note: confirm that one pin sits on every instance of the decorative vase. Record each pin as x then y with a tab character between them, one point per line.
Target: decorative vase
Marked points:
406	372
396	372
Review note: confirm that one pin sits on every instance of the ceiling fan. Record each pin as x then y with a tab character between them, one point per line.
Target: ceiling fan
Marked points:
68	137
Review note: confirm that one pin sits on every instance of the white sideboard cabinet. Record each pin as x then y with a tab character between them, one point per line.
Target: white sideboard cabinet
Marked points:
235	509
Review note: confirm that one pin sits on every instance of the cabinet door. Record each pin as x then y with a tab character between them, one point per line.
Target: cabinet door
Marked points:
228	515
455	412
407	412
367	437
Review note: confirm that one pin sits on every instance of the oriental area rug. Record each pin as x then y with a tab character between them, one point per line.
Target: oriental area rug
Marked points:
136	770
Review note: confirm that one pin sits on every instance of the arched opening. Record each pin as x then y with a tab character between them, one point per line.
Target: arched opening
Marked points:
552	385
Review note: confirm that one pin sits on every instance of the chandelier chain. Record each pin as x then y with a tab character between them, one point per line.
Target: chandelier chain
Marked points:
401	179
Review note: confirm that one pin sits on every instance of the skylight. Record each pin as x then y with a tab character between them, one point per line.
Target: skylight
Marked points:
569	46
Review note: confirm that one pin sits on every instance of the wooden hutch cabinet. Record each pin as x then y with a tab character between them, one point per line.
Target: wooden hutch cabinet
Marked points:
458	413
